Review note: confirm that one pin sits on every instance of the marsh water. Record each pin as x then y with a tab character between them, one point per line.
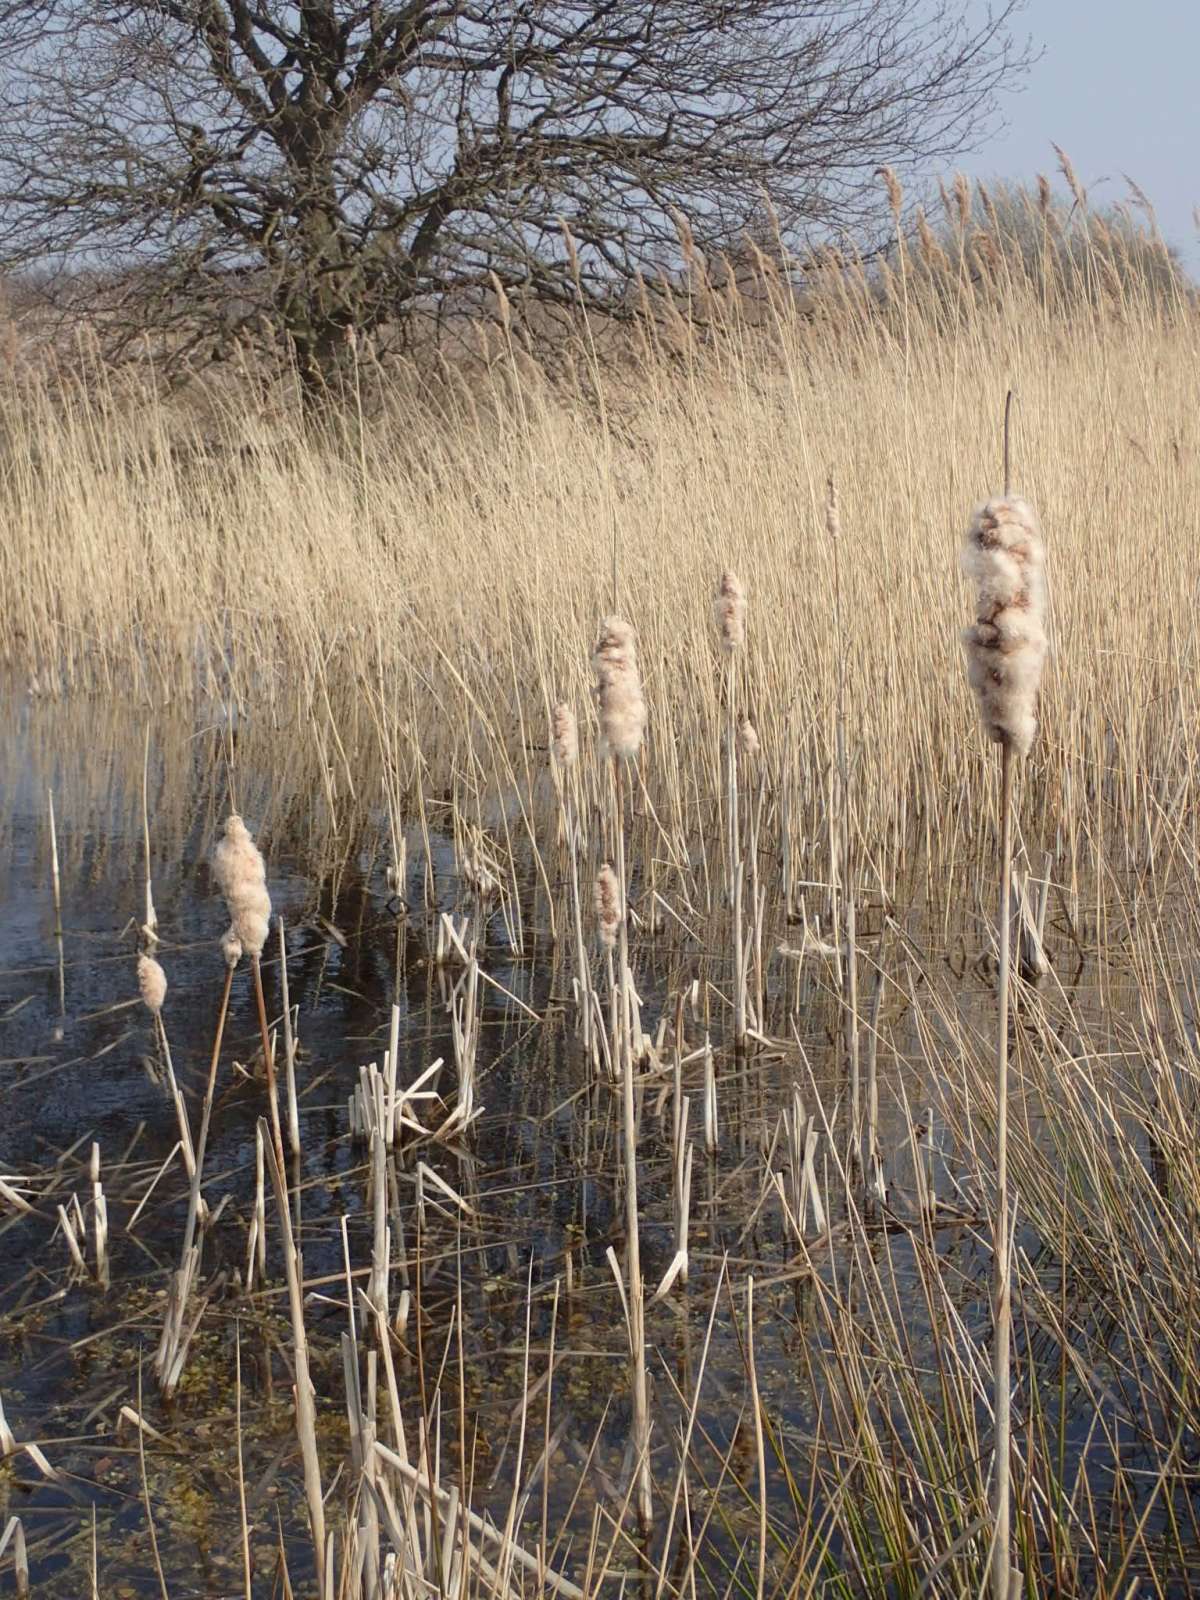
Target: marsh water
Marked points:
507	1267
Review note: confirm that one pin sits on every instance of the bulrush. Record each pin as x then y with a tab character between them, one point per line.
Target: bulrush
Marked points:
748	743
231	948
729	610
152	984
1006	645
242	875
564	735
609	910
619	689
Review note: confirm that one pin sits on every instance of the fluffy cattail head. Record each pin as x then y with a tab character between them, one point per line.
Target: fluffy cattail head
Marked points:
1006	645
152	983
747	737
609	910
237	856
564	735
619	689
729	609
240	870
231	947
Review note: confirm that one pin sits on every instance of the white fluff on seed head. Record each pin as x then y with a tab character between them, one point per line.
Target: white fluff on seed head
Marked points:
564	735
608	906
241	872
231	947
236	857
250	929
619	689
1006	645
729	609
152	983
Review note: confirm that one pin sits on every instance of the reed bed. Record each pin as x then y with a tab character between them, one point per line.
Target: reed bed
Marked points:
634	994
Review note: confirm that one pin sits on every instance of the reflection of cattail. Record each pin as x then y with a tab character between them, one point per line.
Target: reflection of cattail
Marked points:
1006	645
608	906
152	983
729	609
619	689
564	735
242	874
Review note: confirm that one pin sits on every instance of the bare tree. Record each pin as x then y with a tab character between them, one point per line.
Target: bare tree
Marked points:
236	168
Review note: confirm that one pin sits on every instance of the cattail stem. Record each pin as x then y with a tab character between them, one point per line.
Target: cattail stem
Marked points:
637	1320
736	885
1002	1302
306	1416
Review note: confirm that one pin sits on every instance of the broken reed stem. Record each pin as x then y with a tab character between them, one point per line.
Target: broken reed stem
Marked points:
150	923
289	1048
55	880
189	1232
564	779
840	862
637	1318
1002	1292
181	1116
268	1060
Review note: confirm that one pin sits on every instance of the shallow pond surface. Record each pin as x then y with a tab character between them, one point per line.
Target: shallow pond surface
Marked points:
501	1281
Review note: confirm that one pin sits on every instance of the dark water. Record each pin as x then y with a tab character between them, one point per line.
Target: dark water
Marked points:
80	1064
495	1285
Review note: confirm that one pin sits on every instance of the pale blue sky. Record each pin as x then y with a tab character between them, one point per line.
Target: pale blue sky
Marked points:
1116	87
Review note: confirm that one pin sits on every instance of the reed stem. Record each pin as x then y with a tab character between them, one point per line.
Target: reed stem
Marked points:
268	1062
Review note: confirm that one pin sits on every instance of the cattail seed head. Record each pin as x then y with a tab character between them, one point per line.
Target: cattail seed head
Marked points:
894	192
833	518
1006	646
152	984
729	609
241	872
564	735
231	947
748	742
609	910
619	689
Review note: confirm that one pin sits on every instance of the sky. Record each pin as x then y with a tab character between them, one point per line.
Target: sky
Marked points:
1116	87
